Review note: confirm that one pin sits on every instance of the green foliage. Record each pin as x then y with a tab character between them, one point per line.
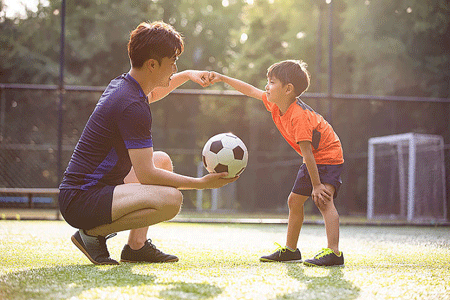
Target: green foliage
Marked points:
380	48
396	47
29	48
273	31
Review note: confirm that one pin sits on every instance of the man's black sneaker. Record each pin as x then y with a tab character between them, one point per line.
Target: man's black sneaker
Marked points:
94	247
326	258
283	254
148	253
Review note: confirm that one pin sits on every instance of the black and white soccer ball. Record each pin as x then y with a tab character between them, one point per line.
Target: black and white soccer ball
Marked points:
225	152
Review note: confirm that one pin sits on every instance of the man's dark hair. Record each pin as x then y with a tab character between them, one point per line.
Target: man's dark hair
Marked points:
153	41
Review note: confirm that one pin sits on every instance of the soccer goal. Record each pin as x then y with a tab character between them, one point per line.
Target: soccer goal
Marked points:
406	178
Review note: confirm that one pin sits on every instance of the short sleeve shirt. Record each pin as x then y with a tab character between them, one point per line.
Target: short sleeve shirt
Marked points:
121	120
302	123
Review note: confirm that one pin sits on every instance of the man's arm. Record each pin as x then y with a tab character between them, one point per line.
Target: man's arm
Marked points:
200	77
320	192
243	87
147	173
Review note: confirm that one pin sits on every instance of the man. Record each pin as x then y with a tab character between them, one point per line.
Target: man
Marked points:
114	180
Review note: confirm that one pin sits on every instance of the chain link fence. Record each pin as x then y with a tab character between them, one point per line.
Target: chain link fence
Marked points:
182	123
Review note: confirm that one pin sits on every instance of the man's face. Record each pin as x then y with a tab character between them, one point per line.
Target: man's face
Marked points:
167	68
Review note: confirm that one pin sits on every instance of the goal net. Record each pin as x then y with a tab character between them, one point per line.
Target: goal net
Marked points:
406	178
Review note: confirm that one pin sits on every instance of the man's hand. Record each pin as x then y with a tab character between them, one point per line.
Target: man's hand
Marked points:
200	77
321	195
216	180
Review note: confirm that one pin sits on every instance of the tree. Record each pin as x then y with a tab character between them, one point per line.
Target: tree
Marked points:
396	47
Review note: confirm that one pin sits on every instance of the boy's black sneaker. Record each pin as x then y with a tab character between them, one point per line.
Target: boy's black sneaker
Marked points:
326	258
94	247
148	253
283	254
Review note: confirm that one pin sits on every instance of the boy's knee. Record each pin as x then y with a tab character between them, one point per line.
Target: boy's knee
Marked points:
295	201
290	202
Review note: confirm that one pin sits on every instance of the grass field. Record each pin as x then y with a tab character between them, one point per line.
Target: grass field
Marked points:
217	261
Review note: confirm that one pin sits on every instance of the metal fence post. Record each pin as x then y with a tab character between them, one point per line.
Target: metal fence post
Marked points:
61	91
2	114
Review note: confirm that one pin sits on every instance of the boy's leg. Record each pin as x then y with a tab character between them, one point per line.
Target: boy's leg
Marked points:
331	220
296	215
290	253
330	256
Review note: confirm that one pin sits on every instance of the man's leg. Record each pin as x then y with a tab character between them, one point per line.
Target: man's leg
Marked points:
136	206
138	236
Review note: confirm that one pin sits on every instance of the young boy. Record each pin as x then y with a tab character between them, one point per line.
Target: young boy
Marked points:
114	180
315	140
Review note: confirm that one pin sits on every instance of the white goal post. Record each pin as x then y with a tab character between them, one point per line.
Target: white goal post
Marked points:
406	178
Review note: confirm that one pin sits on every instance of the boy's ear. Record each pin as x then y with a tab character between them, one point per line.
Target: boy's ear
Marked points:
289	88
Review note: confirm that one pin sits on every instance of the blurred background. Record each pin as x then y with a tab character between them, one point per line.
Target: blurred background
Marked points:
378	68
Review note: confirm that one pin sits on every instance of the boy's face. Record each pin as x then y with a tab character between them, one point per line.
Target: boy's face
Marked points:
167	68
275	90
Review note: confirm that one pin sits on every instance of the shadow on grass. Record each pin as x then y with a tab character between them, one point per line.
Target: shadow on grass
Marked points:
333	285
65	282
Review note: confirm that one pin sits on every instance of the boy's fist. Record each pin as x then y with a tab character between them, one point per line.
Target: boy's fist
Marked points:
214	77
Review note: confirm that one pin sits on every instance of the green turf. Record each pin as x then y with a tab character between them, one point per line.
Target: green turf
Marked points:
38	261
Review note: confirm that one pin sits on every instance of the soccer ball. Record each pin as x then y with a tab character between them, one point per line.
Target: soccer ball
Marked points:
225	152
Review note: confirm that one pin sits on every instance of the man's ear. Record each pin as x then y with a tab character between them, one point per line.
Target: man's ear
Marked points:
151	64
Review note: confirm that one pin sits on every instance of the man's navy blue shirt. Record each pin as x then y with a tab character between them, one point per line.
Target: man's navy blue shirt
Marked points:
121	120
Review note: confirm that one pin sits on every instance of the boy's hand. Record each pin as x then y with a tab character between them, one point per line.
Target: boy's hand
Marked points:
321	195
200	77
214	77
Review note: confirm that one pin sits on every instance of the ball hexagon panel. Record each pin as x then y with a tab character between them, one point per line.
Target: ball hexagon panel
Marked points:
236	167
229	141
225	156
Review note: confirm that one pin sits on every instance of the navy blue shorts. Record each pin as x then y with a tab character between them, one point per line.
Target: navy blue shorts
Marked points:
86	209
330	174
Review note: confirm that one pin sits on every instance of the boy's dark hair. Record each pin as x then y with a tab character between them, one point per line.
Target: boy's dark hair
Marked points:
291	71
153	40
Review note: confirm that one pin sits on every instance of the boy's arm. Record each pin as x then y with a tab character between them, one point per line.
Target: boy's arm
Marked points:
320	193
243	87
200	77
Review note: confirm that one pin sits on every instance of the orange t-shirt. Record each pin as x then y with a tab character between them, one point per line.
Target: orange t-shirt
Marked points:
302	123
